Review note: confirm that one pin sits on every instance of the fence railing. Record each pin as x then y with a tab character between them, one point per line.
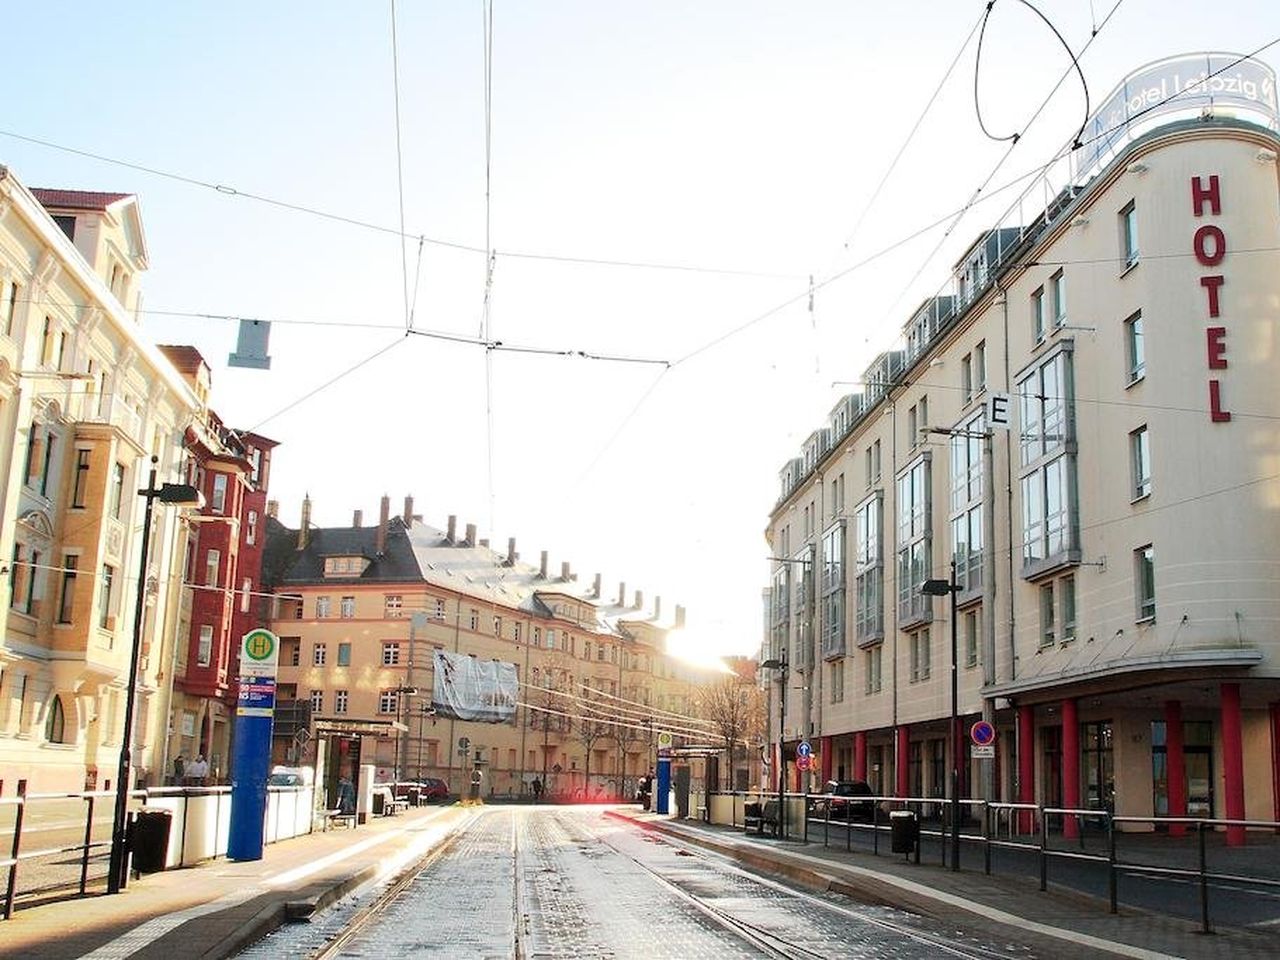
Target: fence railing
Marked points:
1047	834
42	830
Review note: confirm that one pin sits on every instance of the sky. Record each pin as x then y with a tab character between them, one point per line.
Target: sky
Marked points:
717	155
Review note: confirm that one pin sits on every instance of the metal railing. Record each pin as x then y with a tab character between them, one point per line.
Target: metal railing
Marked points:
1044	835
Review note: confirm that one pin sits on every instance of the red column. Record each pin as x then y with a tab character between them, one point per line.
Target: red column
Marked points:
1275	761
1026	763
1070	766
1233	760
860	754
827	749
902	760
1175	765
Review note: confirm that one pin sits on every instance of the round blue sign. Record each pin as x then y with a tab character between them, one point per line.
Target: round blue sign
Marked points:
804	749
982	733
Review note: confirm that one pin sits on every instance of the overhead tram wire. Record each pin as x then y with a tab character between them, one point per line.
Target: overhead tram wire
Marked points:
230	191
395	86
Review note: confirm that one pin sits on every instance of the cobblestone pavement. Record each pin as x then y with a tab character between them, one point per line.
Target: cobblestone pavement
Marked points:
549	883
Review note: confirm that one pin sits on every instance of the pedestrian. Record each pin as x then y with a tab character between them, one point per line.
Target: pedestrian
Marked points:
179	765
198	771
537	789
346	796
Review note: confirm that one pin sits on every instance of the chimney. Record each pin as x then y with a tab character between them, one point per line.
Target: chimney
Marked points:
542	570
564	571
484	542
639	604
452	535
596	586
273	509
408	512
304	531
622	594
679	615
657	608
357	519
384	514
511	551
471	535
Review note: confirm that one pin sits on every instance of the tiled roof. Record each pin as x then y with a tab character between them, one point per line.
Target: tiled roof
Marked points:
76	199
185	358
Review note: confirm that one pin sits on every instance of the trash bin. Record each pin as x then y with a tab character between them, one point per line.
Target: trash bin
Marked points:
904	831
150	839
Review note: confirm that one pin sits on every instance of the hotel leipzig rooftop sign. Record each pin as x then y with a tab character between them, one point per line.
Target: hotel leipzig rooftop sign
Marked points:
1186	84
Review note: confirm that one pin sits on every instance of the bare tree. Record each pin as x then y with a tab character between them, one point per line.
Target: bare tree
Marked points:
589	730
736	709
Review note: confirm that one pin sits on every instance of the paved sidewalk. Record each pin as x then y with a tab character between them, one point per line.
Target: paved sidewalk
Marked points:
1063	921
216	908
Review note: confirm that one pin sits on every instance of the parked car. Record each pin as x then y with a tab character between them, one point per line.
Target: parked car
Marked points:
844	803
432	789
290	776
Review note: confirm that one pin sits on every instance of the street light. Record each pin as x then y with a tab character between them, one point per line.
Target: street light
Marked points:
181	494
402	747
941	588
781	665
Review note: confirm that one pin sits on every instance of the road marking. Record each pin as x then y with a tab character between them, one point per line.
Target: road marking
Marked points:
143	936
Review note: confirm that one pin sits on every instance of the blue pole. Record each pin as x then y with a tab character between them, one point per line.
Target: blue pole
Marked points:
250	762
664	785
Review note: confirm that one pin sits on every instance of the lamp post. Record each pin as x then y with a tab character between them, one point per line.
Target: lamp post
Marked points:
402	746
780	664
941	588
175	493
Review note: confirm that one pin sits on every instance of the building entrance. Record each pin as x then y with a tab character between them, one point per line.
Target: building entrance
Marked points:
1197	751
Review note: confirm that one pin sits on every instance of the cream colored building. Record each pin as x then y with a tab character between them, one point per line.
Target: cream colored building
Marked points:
85	402
1118	557
362	609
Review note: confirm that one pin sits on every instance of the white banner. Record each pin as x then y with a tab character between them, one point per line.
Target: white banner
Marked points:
471	689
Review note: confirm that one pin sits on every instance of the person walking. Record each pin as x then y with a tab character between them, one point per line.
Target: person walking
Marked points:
537	790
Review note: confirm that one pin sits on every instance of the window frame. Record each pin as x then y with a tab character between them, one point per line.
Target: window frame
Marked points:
1135	352
1139	463
1129	249
1144	584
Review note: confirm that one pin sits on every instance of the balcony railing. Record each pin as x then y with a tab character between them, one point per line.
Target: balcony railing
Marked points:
107	409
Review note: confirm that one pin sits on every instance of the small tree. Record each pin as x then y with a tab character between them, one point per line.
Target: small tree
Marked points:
736	709
588	732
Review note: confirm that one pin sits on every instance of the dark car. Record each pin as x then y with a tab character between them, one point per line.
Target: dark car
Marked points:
433	788
846	801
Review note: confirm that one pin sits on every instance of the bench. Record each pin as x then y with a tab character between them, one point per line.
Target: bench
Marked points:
759	816
386	804
335	817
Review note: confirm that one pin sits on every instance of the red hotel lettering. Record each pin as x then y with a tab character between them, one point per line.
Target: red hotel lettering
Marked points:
1199	194
1201	247
1217	349
1212	284
1210	247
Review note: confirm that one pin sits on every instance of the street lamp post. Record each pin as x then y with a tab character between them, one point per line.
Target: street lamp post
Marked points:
175	493
780	664
402	747
940	588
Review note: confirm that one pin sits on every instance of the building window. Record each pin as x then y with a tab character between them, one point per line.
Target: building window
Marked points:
914	554
390	654
967	501
67	600
1047	413
1037	315
246	594
55	726
875	461
497	626
80	489
1144	564
1048	616
1140	463
966	378
105	619
251	528
475	619
387	701
515	631
10	304
212	563
921	655
1134	349
439	609
1129	234
317	701
347	607
344	654
868	570
117	490
913	427
318	654
393	606
339	701
295	654
204	646
537	636
972	632
219	504
833	579
980	367
1068	598
1058	298
322	607
836	681
875	661
551	639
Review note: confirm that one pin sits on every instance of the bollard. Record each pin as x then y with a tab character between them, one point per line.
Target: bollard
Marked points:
18	817
875	830
1111	864
1044	856
986	837
1204	881
84	854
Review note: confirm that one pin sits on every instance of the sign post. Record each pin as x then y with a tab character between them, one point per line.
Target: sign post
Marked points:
251	752
662	797
983	737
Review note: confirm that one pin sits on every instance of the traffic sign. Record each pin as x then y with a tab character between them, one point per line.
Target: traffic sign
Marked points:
998	411
983	751
259	654
983	734
666	740
804	749
803	762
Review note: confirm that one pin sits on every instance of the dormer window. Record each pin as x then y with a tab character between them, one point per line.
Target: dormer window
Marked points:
348	566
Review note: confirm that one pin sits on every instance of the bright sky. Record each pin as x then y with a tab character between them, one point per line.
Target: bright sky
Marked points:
733	135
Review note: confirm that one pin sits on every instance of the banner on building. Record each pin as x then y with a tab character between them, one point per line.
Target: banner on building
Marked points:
468	688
